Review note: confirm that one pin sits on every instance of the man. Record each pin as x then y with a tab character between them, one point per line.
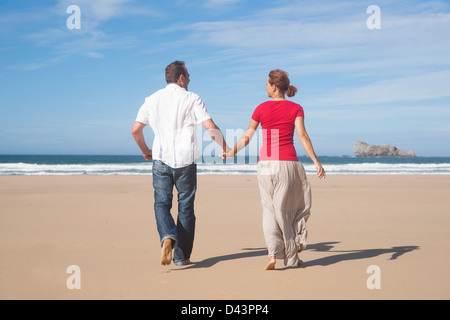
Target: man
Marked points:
174	113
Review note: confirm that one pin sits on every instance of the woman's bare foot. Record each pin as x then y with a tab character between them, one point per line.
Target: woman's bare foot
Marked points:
166	252
271	264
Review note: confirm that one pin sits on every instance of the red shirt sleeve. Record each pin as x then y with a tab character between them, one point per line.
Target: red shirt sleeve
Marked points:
300	112
257	114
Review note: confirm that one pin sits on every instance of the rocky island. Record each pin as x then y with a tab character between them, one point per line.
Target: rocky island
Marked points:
364	150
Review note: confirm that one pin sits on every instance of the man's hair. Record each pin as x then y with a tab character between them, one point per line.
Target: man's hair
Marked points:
174	71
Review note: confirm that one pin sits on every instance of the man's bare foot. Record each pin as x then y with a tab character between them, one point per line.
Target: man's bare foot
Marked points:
271	264
166	252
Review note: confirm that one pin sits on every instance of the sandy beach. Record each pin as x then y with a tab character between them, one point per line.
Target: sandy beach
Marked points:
105	226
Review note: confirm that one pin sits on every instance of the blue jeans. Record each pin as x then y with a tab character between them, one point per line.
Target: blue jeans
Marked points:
182	233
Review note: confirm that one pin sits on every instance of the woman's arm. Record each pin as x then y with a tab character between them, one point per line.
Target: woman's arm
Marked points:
244	140
307	145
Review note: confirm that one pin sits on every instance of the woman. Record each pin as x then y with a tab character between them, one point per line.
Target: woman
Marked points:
285	190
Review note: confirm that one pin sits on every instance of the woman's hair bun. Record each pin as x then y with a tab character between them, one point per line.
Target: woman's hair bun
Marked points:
291	91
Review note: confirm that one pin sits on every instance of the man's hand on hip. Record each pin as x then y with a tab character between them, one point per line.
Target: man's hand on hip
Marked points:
148	155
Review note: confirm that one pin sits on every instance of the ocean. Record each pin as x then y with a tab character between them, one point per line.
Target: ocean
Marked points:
65	165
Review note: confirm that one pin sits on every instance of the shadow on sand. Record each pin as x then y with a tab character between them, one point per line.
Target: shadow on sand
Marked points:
345	255
342	255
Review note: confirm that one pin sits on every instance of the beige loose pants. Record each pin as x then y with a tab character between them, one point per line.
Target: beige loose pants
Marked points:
286	201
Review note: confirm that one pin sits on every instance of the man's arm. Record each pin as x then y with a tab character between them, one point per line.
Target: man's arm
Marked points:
216	134
138	134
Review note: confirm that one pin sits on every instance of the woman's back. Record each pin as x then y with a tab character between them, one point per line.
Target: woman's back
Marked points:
277	119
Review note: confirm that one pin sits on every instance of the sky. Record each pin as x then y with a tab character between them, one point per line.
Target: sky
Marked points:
65	90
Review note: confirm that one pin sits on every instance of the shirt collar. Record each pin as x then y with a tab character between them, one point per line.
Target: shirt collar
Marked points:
174	85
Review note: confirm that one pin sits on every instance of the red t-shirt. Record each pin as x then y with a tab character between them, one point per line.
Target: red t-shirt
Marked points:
277	119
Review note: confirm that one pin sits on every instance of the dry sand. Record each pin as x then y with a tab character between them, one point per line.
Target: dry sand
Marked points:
105	225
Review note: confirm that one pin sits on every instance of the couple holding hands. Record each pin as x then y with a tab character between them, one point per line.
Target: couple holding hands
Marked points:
174	113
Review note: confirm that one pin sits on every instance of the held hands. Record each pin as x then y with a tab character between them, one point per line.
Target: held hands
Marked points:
228	154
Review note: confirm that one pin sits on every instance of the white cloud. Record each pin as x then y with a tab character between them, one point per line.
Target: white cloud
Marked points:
39	64
220	3
89	41
94	12
346	33
397	63
98	10
427	86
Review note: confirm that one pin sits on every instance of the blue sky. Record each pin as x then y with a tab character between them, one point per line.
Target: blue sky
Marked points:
78	91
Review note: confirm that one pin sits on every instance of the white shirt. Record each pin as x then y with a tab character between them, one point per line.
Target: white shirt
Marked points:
174	113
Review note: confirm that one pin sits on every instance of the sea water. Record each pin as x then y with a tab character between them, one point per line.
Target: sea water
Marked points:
137	165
